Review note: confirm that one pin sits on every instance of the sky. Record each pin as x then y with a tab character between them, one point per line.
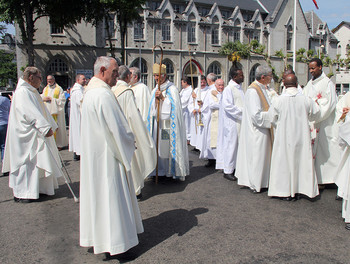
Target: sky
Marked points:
331	11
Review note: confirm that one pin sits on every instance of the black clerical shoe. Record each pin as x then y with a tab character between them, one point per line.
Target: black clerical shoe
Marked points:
347	226
76	157
139	196
338	198
210	163
230	177
289	198
5	174
124	257
20	200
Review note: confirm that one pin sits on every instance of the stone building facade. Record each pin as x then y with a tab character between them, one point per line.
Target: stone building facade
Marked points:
184	29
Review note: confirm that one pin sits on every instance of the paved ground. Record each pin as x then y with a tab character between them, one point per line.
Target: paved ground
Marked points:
205	219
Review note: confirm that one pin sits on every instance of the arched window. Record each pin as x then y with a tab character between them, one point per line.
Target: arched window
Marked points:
191	29
236	32
166	24
143	68
191	72
138	30
256	33
169	69
215	32
289	37
252	73
215	68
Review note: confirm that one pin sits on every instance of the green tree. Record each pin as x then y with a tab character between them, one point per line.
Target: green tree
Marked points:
26	13
8	68
126	12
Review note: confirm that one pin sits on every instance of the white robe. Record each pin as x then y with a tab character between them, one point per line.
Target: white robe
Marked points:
254	148
292	170
142	98
341	176
186	96
229	127
172	150
30	157
343	171
56	107
326	149
209	151
109	214
76	96
197	131
145	156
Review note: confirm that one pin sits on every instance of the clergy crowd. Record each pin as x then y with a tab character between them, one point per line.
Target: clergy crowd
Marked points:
291	144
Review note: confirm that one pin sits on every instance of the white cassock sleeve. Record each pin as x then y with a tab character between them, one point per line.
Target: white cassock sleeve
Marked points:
255	111
327	102
229	106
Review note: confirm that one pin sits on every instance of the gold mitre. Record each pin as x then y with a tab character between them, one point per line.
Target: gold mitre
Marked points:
156	69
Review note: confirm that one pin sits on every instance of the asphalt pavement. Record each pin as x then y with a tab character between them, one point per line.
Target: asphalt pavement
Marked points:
206	219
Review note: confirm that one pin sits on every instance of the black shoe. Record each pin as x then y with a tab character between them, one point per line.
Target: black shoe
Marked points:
289	198
347	226
76	157
20	200
124	257
5	174
139	196
230	177
210	163
338	198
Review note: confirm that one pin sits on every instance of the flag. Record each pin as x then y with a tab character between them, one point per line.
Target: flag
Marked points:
315	3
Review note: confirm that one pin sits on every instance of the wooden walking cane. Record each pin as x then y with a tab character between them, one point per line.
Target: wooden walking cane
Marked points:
194	101
158	105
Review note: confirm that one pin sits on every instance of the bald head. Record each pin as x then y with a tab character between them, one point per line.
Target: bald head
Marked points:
290	81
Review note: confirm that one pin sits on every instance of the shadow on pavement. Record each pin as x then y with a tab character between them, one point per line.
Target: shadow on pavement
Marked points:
159	228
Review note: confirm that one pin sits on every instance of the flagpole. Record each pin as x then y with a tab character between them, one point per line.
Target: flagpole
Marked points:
295	34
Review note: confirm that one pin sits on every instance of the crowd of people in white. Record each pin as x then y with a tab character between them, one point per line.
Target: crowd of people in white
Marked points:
293	143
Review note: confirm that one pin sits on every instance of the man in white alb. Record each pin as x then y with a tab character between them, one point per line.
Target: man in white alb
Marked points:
326	149
55	100
256	137
229	124
186	99
292	169
145	156
31	155
210	136
76	96
109	214
172	148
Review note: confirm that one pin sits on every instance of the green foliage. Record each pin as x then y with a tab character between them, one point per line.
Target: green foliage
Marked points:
126	11
8	68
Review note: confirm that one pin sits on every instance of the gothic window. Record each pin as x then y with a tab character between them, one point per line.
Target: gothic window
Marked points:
289	38
138	31
166	36
169	70
143	68
191	29
215	32
215	68
252	73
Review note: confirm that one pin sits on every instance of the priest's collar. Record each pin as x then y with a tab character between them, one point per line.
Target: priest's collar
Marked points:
165	85
291	91
319	78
